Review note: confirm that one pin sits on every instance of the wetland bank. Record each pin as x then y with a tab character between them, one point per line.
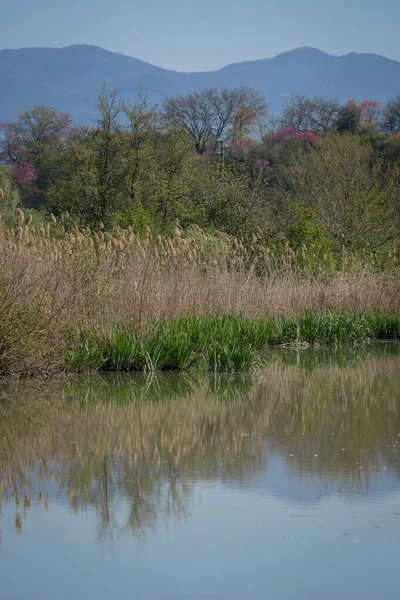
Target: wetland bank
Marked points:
86	300
115	239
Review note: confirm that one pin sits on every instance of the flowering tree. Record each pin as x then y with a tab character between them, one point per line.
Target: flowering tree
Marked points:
37	127
24	172
262	165
240	146
370	112
288	134
32	145
243	122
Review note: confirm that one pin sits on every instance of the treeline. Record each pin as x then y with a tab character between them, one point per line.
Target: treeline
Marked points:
320	173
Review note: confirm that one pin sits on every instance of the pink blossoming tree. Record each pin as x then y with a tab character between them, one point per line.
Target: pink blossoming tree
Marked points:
24	172
288	134
32	144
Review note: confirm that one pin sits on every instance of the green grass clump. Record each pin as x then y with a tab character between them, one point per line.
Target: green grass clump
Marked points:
86	355
169	349
229	357
222	343
336	328
121	350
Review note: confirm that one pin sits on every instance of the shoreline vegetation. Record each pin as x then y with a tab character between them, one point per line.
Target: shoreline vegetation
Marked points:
227	343
202	231
77	299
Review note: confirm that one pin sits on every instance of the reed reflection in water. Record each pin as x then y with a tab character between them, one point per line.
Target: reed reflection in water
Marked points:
132	449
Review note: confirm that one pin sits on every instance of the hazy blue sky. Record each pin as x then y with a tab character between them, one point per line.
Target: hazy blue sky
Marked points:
190	35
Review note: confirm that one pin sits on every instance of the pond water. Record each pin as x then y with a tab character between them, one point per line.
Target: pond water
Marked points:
282	484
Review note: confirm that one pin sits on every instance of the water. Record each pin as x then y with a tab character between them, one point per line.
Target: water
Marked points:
281	485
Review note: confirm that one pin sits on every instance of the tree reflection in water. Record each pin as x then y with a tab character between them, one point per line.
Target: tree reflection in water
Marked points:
131	448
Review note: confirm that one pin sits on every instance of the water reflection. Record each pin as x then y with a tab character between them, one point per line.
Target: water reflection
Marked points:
132	449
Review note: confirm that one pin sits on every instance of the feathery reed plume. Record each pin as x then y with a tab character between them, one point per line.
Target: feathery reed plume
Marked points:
20	216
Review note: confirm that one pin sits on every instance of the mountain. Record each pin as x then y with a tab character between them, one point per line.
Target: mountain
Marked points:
69	78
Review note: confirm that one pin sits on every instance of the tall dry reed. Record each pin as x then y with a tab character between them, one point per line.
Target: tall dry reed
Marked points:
54	281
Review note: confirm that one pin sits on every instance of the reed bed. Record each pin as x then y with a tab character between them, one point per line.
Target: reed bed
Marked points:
57	281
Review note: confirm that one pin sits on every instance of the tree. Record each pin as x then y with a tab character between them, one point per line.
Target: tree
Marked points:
143	121
207	115
235	109
41	125
370	112
76	189
108	158
355	197
32	146
193	114
390	149
289	134
176	172
9	198
127	173
317	114
391	116
349	117
244	121
92	182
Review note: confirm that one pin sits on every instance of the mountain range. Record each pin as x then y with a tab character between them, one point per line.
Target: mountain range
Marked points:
69	78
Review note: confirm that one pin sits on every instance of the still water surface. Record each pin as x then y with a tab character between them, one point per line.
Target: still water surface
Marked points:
280	485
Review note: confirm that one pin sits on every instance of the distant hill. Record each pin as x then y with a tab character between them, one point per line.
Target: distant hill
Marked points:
69	78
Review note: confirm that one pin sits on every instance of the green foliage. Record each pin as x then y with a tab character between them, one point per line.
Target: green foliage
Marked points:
336	328
10	200
307	230
352	195
136	169
35	140
76	191
390	149
223	343
86	355
136	216
349	118
230	357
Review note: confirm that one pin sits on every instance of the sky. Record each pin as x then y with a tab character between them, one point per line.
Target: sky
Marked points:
189	35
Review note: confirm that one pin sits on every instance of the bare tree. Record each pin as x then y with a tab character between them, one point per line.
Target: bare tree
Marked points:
324	115
391	116
235	109
193	114
109	107
209	114
32	130
317	114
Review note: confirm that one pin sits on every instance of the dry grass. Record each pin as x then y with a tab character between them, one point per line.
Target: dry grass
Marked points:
54	282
